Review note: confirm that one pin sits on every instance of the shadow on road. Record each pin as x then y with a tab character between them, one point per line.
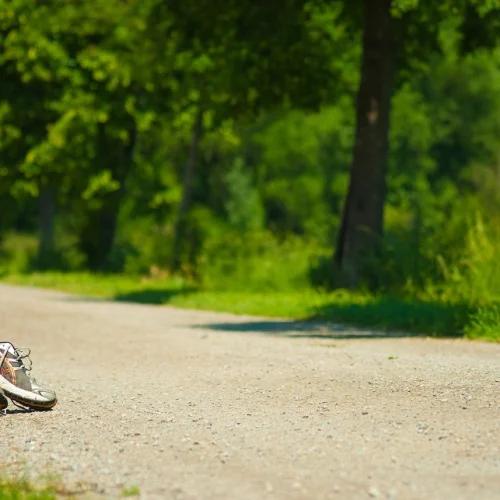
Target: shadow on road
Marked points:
146	296
386	317
383	317
153	296
305	329
20	411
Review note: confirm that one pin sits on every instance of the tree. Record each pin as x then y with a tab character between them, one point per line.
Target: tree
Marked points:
255	57
33	70
388	25
362	220
74	95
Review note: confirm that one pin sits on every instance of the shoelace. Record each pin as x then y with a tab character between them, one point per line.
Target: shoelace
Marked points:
20	353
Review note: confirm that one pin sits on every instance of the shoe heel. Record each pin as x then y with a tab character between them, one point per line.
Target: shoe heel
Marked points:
4	403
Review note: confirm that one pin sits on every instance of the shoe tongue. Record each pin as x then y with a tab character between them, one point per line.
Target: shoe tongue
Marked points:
9	348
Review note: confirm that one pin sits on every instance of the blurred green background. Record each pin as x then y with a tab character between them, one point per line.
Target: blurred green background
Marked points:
199	154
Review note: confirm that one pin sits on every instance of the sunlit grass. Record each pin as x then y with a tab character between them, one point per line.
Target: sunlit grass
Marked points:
132	491
430	316
23	490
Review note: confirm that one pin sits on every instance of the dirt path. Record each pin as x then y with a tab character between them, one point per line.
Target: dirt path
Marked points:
188	405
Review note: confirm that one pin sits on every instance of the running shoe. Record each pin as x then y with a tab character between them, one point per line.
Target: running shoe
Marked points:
16	381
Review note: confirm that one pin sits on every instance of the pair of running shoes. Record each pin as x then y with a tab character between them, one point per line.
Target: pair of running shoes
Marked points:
17	384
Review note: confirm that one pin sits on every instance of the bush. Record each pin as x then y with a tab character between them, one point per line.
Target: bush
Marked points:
17	253
484	324
477	275
257	261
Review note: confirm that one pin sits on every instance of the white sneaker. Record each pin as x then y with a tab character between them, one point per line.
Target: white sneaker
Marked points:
16	382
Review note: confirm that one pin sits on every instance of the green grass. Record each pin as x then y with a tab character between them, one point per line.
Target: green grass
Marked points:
23	490
133	491
484	324
431	316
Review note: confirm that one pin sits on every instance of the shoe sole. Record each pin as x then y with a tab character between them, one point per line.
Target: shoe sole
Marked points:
24	397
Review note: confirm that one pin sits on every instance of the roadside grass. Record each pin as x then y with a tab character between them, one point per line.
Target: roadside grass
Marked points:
432	316
23	490
48	488
132	491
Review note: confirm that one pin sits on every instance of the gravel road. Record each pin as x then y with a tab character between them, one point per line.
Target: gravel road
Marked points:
197	405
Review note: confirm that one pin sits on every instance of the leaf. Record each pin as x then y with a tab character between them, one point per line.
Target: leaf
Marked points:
100	184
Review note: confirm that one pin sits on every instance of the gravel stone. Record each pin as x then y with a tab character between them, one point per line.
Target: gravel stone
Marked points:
193	405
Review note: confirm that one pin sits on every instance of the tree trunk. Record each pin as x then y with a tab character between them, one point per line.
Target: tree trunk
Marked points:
46	218
362	220
98	235
187	192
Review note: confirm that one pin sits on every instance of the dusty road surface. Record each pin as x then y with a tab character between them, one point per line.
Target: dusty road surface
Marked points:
196	405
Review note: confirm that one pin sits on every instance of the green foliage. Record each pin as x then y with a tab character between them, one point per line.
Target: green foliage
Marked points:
431	315
97	104
133	491
484	324
243	205
17	253
256	261
475	274
303	169
22	490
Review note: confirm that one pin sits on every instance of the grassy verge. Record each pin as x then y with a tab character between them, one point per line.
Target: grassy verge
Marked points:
23	490
425	315
50	490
